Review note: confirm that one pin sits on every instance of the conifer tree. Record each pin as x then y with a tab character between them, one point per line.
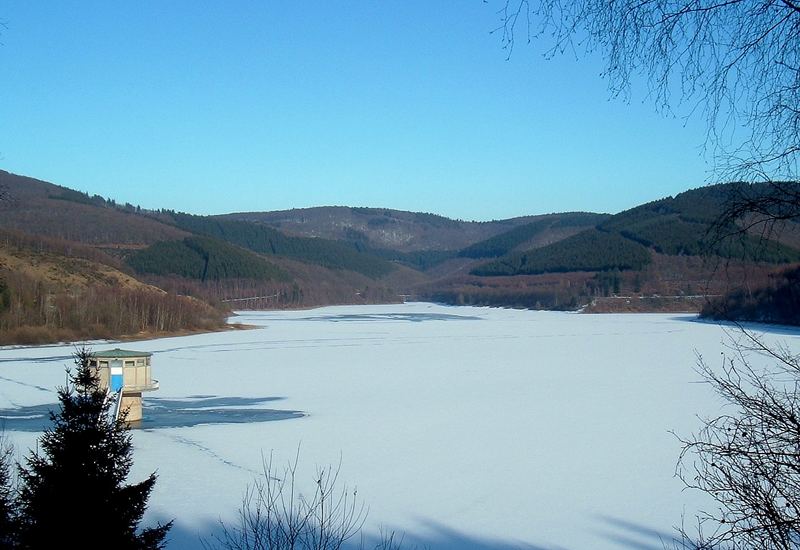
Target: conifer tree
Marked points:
73	487
8	515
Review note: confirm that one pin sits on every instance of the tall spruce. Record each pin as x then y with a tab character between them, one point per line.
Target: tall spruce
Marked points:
73	487
8	514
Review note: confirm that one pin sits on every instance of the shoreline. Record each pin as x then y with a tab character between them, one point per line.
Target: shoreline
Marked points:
228	327
130	337
177	333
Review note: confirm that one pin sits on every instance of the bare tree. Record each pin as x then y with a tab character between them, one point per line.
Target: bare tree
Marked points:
276	515
748	459
735	61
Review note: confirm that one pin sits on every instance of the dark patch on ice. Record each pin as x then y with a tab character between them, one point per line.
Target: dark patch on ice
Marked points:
408	317
439	536
162	413
189	533
33	418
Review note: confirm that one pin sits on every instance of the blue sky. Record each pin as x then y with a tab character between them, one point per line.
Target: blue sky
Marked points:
213	107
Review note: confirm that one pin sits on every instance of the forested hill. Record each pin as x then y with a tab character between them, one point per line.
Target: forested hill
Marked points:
683	225
271	242
543	231
382	228
686	224
62	249
38	207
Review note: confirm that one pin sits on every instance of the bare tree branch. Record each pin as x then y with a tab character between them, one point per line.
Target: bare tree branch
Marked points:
748	459
735	61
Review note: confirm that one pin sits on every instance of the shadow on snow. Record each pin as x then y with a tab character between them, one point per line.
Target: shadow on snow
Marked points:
160	412
622	534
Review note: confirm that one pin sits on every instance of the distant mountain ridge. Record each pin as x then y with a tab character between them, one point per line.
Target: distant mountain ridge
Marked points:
382	227
350	255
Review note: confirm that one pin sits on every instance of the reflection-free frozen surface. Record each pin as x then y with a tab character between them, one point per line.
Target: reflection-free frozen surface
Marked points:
463	427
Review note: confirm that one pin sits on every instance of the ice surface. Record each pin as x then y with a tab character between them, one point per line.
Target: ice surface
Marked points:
463	427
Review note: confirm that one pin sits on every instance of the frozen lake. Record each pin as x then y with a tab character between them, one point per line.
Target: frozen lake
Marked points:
462	427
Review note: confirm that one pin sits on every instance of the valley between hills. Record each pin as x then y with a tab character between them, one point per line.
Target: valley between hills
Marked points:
76	266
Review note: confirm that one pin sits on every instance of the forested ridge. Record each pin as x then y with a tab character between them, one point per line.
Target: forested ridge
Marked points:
687	224
74	264
505	243
591	250
266	240
417	259
674	226
205	259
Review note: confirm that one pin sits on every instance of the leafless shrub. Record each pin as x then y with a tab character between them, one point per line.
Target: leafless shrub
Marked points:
276	515
748	459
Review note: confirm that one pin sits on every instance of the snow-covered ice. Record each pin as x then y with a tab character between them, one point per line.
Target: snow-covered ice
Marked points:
462	427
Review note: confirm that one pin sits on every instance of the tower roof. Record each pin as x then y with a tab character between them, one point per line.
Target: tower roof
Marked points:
117	353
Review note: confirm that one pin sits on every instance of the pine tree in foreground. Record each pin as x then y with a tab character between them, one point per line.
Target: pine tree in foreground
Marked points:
8	514
73	488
